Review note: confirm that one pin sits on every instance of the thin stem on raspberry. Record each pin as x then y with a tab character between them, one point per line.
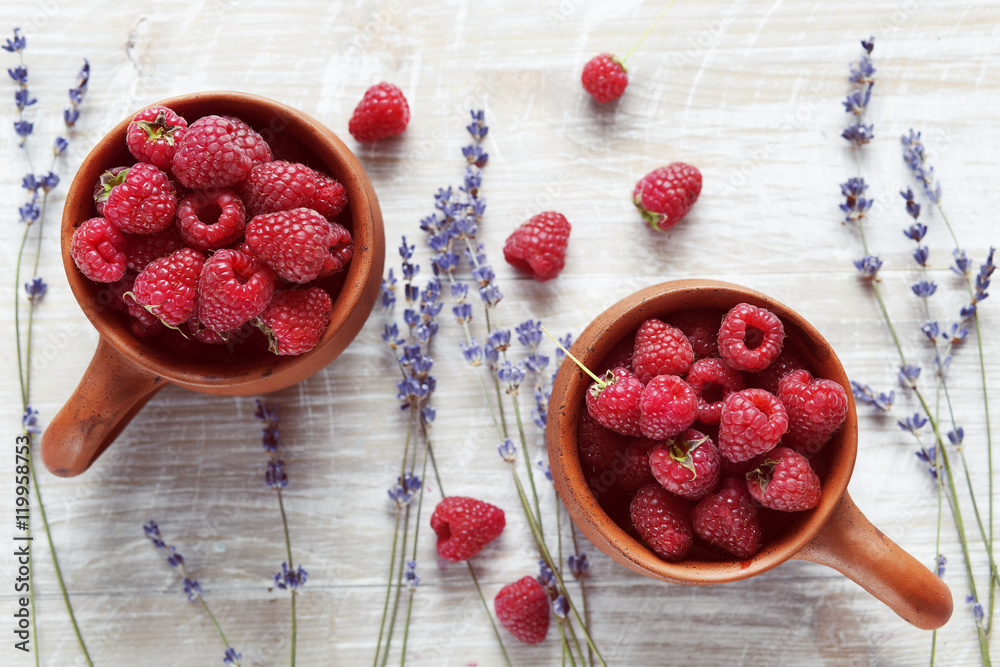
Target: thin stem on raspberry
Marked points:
601	383
648	30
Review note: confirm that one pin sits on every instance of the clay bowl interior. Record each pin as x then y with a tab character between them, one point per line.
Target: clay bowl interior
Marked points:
701	566
293	136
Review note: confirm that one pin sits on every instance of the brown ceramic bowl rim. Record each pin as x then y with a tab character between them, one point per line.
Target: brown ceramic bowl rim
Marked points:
271	370
568	395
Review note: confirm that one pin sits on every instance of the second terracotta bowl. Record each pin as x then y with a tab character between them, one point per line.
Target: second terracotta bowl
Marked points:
835	533
126	371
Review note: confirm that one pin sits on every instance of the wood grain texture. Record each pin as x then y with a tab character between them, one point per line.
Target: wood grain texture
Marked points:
748	91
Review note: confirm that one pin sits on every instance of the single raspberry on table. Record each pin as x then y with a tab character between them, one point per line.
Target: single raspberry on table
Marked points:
250	141
631	464
687	465
382	112
668	406
660	349
464	526
295	320
212	155
279	186
665	195
153	134
604	77
661	519
728	520
597	446
712	380
233	288
816	409
784	481
523	610
614	401
786	362
211	219
539	246
141	249
750	338
752	423
701	326
98	249
138	200
295	243
168	287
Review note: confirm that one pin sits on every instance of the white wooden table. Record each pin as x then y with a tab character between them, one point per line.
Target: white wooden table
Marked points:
748	92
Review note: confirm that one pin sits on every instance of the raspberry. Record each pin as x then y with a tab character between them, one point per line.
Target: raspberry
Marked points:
295	320
784	481
167	287
662	521
205	335
464	526
712	381
752	423
785	363
816	409
620	356
597	445
252	143
728	520
153	134
142	323
523	610
279	186
141	249
539	245
209	220
232	289
614	402
382	112
660	349
688	465
631	464
701	328
665	195
604	77
750	338
138	200
295	243
668	406
341	251
98	250
211	155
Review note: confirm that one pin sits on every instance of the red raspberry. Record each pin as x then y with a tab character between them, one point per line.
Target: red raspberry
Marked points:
209	220
211	154
750	338
597	445
341	251
728	520
295	243
668	406
614	402
712	381
662	521
523	610
687	465
752	423
660	349
168	287
153	135
232	289
665	195
142	323
631	464
382	112
279	186
620	356
784	481
539	246
295	320
769	378
98	250
464	526
604	77
816	409
200	333
141	249
252	143
701	328
138	200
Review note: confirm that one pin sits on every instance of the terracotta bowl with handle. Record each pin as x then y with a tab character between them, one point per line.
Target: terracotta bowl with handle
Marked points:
126	371
835	533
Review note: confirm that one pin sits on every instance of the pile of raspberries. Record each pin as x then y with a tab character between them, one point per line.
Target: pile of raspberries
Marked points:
208	235
708	427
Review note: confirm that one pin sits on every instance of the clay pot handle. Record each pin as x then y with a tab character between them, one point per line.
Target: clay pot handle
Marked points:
850	544
111	392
